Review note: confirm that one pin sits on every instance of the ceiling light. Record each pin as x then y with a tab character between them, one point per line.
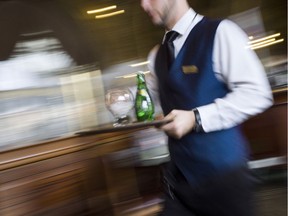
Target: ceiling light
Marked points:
264	42
267	44
264	38
139	64
110	14
102	9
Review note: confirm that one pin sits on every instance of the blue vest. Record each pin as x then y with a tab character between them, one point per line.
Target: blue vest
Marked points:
199	155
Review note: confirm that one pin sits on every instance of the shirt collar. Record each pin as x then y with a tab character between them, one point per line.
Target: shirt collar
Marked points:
183	24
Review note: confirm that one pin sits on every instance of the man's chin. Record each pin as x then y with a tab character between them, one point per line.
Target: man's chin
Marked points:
157	22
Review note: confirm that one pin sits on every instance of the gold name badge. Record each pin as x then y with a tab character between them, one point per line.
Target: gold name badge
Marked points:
189	69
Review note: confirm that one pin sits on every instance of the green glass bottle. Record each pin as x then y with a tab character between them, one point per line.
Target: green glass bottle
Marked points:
144	106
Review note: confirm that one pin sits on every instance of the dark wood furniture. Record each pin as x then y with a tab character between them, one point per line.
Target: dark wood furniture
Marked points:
78	175
267	132
68	176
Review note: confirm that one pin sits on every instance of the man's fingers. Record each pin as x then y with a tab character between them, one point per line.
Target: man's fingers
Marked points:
181	123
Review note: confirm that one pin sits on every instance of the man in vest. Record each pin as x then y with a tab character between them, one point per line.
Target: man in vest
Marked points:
208	86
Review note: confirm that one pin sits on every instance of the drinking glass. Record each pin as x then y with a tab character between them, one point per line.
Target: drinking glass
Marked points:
119	102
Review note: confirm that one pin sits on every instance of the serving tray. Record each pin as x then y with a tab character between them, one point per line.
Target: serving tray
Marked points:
107	128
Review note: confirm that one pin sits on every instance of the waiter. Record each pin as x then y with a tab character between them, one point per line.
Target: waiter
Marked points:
208	83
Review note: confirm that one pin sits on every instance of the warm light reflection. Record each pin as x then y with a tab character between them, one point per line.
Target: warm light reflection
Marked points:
139	64
267	44
264	38
131	75
264	42
110	14
102	9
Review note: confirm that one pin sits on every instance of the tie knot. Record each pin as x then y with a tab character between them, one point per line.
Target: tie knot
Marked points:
171	36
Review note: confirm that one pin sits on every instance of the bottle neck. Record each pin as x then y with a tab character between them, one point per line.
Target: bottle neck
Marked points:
142	86
141	81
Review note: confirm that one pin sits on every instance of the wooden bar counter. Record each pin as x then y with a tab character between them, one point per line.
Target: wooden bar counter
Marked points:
75	175
67	176
267	132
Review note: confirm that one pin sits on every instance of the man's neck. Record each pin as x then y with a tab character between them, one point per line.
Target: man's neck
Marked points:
180	10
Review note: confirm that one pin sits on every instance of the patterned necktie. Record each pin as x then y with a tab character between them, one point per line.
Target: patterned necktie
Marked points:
169	47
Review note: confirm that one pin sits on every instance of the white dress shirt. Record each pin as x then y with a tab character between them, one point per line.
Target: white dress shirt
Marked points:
233	64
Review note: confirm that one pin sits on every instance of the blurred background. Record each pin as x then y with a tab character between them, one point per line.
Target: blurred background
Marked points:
58	57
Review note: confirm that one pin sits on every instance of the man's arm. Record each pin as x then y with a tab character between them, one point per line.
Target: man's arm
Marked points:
240	68
243	73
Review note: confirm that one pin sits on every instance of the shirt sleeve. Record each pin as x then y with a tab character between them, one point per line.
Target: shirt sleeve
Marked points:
241	70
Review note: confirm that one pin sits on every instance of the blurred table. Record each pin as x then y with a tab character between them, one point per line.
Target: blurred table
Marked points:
97	174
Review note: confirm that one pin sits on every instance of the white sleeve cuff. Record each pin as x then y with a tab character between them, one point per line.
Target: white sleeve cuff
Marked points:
210	119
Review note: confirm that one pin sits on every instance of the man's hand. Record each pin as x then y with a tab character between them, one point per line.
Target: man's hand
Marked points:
182	123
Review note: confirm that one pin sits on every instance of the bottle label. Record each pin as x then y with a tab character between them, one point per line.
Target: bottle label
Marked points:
144	106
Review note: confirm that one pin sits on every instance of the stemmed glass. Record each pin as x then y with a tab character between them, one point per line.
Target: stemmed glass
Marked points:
119	102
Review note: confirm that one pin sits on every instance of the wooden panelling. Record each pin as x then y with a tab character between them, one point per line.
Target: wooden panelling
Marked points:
89	175
267	132
70	176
